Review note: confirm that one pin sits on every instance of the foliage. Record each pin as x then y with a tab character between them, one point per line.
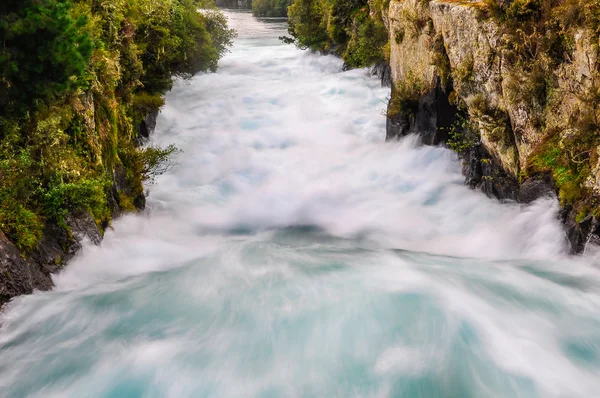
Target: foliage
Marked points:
538	39
367	39
270	8
155	161
85	195
308	24
462	135
45	52
405	97
78	77
352	29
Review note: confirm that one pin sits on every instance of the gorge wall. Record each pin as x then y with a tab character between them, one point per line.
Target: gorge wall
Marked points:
513	87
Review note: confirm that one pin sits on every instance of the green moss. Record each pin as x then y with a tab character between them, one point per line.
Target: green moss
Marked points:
568	162
126	202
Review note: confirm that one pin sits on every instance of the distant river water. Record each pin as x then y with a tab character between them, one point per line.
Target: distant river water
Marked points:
291	252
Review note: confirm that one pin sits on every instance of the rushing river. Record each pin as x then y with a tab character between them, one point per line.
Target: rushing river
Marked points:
291	252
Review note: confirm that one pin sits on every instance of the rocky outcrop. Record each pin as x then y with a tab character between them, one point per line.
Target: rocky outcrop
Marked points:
457	74
23	274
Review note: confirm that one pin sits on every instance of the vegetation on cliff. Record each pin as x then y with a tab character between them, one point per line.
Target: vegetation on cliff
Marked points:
352	29
539	43
78	78
270	8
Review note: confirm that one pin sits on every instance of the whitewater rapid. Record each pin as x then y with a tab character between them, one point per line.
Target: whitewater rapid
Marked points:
291	252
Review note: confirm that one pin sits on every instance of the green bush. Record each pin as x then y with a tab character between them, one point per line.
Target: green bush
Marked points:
45	52
352	29
462	135
366	43
21	225
270	8
155	161
85	195
308	24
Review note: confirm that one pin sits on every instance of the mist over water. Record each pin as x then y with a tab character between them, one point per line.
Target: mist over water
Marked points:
291	252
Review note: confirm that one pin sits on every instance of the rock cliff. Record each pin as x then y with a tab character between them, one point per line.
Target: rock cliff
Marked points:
510	85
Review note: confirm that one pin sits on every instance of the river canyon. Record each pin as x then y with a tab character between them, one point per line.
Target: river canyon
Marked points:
291	252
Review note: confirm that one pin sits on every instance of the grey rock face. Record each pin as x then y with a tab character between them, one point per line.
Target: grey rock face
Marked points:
483	78
24	274
18	276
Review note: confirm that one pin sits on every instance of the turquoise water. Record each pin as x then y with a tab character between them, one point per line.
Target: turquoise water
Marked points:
291	252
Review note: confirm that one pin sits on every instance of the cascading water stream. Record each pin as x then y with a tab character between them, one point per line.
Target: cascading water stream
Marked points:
291	252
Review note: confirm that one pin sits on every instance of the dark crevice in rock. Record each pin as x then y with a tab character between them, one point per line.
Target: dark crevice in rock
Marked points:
431	120
483	172
146	128
383	72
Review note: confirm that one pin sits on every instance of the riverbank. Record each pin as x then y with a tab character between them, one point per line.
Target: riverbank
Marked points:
80	90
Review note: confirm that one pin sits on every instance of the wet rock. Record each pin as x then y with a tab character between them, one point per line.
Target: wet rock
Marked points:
383	71
148	125
592	245
18	275
577	232
483	172
84	227
397	126
24	274
535	188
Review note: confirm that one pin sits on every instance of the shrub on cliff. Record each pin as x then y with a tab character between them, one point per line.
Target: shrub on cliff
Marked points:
78	77
352	29
45	52
270	8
